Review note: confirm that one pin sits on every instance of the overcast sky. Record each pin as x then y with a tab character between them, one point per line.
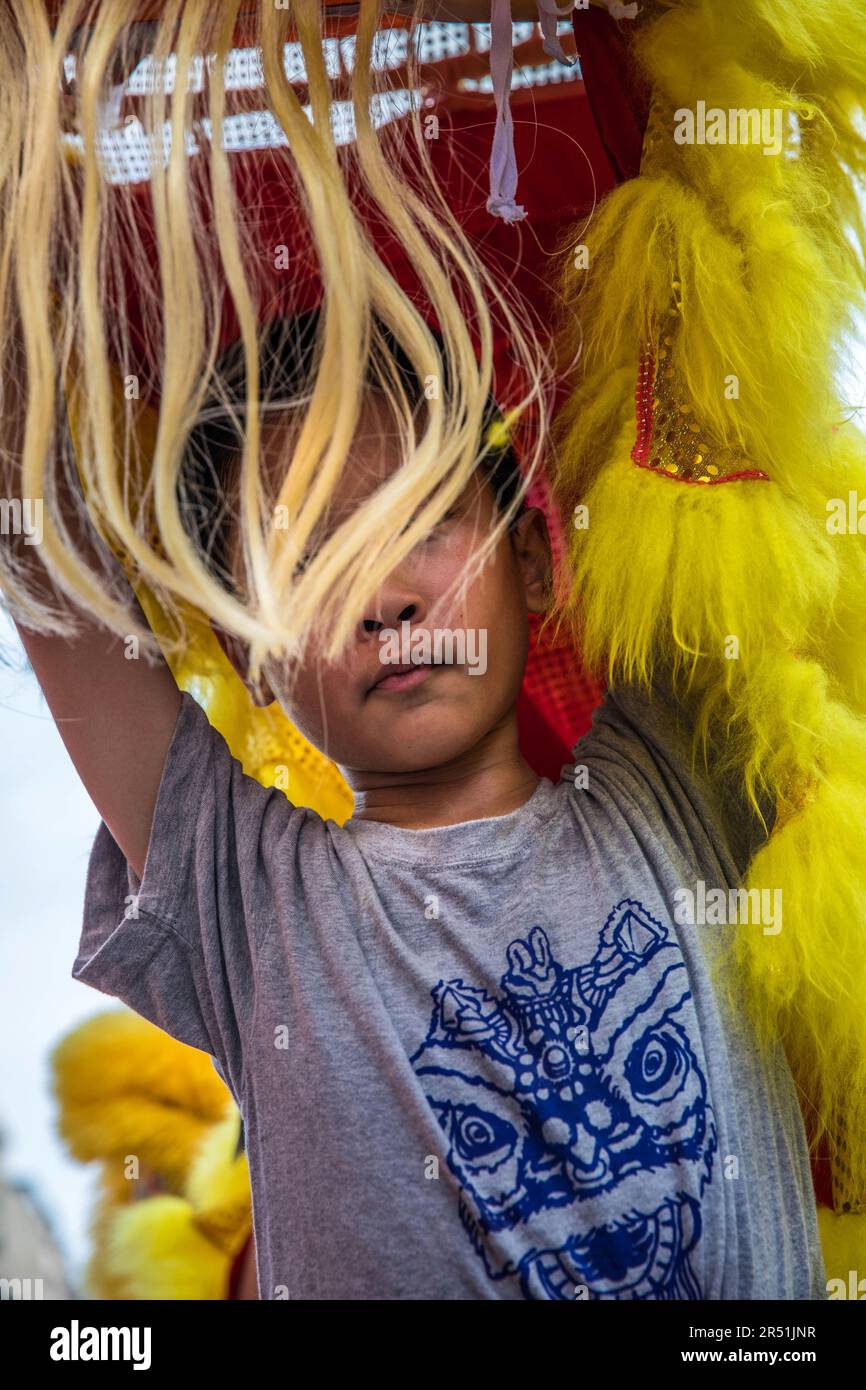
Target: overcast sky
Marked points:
47	825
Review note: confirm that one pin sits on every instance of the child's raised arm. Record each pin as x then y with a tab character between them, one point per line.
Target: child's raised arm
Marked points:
116	716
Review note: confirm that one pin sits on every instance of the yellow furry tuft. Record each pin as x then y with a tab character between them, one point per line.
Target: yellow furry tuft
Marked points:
125	1090
155	1250
743	590
156	1098
843	1239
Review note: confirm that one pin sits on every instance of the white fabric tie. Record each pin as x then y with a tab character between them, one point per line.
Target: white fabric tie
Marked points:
503	161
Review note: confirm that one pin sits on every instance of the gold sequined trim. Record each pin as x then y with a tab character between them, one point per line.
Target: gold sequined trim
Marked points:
670	439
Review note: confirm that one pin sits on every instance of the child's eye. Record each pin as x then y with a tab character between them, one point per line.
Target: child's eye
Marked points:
449	516
440	525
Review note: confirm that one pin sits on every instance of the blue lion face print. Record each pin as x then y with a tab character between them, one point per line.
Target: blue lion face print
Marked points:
562	1100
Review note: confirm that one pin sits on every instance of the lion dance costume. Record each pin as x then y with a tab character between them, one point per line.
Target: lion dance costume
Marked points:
708	301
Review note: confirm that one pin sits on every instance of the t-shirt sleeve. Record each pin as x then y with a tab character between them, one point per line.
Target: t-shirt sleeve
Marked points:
180	945
641	743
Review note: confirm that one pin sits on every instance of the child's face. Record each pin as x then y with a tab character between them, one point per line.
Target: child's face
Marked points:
361	712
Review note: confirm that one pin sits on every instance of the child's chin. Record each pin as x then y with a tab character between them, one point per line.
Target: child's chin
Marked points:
433	750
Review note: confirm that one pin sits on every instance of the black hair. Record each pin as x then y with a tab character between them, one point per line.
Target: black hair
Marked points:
286	366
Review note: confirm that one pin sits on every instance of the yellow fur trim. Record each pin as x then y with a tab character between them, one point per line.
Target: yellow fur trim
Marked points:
742	588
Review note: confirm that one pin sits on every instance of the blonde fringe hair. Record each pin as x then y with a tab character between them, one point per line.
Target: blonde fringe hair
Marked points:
63	227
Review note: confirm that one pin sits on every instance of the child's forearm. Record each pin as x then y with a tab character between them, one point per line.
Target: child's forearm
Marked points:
115	712
115	709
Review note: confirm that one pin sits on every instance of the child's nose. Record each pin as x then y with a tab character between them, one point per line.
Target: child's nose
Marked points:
390	613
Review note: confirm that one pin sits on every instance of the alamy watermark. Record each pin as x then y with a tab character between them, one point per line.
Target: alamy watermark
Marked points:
444	646
846	516
739	125
77	1343
720	907
22	516
855	1288
21	1289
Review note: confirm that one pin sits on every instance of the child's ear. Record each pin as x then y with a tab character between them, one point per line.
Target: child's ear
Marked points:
532	547
238	654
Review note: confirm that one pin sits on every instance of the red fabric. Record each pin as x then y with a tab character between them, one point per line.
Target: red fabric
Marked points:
236	1269
822	1176
618	97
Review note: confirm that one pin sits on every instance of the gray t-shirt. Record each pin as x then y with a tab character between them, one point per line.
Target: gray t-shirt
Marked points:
481	1060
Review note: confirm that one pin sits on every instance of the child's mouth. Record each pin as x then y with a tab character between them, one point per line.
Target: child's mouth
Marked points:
403	677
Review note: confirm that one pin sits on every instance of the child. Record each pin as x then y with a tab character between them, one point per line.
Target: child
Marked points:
476	1053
